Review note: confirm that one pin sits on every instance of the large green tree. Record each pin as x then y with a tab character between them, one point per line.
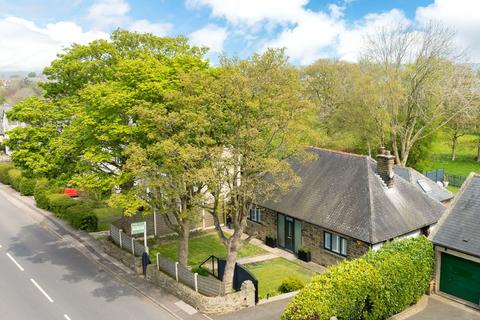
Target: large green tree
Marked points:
95	90
257	106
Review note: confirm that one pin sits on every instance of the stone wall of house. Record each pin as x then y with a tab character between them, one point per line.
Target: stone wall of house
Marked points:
267	226
220	304
313	237
132	262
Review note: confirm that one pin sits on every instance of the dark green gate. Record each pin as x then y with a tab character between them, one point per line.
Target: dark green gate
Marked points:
460	278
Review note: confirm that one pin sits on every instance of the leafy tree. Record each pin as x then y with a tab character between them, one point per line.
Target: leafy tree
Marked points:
414	83
96	88
256	107
173	164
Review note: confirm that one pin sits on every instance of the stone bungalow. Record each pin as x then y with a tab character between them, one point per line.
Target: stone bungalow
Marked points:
344	205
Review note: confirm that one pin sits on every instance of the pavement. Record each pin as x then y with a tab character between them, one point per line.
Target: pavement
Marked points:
436	307
267	311
50	271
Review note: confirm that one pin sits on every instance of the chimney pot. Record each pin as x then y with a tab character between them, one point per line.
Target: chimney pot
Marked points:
385	163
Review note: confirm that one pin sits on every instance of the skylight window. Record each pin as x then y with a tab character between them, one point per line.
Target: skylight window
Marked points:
424	185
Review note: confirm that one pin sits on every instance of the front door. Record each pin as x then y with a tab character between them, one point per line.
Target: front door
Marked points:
289	233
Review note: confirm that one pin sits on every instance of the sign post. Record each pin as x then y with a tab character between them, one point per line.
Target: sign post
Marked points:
139	228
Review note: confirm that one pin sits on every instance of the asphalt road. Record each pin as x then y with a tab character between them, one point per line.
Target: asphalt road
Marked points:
43	276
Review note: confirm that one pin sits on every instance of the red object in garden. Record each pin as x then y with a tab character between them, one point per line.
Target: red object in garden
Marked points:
71	192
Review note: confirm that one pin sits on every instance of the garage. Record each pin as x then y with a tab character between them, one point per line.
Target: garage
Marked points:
460	278
457	246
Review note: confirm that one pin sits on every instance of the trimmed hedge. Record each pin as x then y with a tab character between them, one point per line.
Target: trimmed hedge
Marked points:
375	286
40	193
59	203
4	168
14	178
290	284
27	186
81	216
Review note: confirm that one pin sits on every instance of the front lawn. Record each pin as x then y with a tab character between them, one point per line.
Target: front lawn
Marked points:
200	248
270	274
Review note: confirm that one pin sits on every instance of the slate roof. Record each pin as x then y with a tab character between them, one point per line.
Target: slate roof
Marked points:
459	228
341	192
436	192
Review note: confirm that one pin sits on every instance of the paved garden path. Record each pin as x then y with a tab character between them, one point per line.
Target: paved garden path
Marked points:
276	253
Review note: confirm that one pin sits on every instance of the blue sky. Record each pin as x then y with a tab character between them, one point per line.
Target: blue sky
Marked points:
309	30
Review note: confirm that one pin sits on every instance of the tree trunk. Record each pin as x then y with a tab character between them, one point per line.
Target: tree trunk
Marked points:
478	149
184	236
454	146
230	265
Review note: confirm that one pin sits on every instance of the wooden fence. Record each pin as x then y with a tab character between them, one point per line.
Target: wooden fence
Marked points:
125	242
208	286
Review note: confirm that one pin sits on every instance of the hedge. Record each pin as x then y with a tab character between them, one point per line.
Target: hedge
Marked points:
58	203
290	284
14	178
375	286
40	193
81	216
27	186
4	168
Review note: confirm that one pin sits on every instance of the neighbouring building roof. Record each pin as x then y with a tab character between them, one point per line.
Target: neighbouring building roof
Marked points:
424	184
341	192
459	228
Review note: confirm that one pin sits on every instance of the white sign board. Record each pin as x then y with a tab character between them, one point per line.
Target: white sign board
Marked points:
138	227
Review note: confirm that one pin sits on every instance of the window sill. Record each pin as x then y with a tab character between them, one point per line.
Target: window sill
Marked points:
335	254
255	222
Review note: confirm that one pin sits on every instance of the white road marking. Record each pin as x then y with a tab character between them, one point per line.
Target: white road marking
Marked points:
66	317
41	290
18	265
0	245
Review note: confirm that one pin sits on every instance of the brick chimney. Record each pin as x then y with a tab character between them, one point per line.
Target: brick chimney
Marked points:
385	162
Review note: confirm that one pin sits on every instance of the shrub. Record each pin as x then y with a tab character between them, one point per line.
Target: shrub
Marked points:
108	213
81	216
58	203
27	186
290	284
14	178
4	168
40	192
201	271
375	286
406	269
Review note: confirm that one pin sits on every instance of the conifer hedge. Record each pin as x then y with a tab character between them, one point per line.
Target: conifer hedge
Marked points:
375	286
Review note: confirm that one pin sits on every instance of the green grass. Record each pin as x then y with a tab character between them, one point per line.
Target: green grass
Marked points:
200	248
104	215
466	152
270	274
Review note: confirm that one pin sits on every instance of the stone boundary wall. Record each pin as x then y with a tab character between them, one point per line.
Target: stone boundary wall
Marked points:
211	305
134	263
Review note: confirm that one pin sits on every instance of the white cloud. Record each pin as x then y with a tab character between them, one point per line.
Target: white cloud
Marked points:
350	40
251	12
461	15
112	14
310	38
30	47
211	36
105	14
145	26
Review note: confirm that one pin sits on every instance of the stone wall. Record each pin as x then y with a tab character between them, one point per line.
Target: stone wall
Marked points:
134	263
313	237
267	226
212	305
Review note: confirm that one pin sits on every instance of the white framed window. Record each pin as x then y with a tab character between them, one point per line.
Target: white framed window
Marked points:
255	214
335	243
